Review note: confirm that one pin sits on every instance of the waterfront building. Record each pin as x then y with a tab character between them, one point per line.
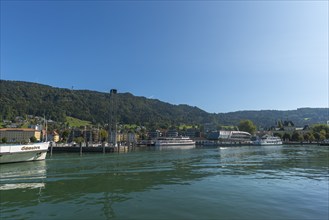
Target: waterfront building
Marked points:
232	136
154	134
74	133
288	126
208	127
129	137
114	138
240	136
19	134
172	133
192	133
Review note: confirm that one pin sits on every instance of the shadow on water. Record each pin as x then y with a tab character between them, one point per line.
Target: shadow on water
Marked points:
110	179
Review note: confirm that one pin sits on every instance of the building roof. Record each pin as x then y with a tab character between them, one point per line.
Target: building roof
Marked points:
17	129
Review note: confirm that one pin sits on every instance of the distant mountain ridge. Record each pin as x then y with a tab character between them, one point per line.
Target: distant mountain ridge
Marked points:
268	118
21	98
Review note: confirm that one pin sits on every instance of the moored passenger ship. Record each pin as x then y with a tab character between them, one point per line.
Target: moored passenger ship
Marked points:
268	140
174	141
23	152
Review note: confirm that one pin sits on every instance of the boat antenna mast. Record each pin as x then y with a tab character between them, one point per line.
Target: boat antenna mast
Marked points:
45	136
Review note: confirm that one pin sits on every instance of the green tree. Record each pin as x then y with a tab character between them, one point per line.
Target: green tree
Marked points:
311	137
33	139
79	140
319	127
103	135
4	140
278	135
247	125
280	124
320	131
286	137
65	135
296	136
322	135
316	136
306	137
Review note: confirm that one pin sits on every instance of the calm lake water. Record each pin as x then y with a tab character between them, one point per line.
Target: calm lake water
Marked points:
272	182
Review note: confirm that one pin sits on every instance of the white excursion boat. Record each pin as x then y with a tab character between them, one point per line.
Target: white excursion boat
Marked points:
23	152
174	141
268	140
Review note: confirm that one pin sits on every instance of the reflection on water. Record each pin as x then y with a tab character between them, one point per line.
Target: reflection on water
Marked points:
22	175
143	183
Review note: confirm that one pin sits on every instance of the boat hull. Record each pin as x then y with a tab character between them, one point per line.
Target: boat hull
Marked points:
268	140
174	144
268	144
180	141
21	153
175	147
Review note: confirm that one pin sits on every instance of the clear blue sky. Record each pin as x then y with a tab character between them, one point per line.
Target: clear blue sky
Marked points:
220	56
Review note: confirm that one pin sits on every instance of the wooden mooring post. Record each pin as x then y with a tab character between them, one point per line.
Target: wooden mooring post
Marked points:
51	149
80	149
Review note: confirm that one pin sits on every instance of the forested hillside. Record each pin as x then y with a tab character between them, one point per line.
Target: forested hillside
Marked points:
21	98
25	98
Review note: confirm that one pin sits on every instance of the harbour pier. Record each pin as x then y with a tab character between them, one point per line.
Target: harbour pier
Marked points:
89	149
